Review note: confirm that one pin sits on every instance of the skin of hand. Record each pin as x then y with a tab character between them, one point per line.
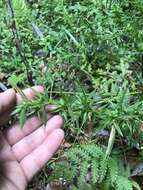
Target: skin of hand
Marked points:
23	152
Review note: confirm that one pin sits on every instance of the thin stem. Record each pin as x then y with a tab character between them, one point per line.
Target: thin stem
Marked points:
18	40
68	93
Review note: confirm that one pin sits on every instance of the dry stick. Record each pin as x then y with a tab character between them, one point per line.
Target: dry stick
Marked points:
18	41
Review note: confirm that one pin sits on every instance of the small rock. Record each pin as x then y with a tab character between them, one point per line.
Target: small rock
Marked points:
2	87
138	171
37	31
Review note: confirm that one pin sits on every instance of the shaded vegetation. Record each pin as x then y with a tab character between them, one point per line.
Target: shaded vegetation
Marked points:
88	55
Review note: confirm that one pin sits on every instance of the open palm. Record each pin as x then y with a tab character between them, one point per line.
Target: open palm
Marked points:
23	152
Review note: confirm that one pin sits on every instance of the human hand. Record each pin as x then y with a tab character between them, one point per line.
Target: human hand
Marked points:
23	152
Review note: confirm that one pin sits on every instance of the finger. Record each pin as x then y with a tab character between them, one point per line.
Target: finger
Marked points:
29	93
50	108
6	183
32	141
14	174
7	100
15	133
5	150
34	162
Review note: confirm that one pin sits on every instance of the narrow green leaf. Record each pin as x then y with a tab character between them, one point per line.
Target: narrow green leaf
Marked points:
22	118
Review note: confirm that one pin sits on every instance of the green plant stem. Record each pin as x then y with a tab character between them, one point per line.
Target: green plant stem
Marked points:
111	142
68	93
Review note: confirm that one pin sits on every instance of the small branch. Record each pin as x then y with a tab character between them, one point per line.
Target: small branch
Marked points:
18	40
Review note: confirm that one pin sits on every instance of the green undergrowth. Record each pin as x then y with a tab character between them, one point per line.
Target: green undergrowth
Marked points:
88	56
91	170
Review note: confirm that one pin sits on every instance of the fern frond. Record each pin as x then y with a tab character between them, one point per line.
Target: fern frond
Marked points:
94	171
87	163
93	150
103	169
106	185
79	153
113	170
83	173
72	157
123	183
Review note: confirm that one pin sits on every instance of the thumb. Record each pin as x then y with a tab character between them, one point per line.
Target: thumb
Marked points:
7	101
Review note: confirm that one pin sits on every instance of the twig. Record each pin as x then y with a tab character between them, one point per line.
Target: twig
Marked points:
18	40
